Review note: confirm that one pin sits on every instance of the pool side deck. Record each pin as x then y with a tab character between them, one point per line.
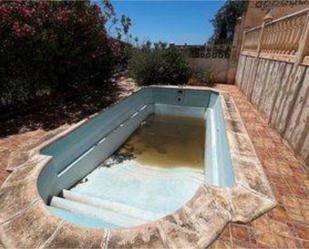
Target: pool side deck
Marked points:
286	226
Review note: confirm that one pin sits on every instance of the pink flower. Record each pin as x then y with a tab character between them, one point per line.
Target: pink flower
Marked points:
22	30
25	12
16	28
39	22
4	12
27	29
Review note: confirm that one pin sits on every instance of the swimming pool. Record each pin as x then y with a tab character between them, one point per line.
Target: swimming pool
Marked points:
91	160
183	141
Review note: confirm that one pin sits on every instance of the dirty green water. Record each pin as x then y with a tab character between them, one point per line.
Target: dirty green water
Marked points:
167	141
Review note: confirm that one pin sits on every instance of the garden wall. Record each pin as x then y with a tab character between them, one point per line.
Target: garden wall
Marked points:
211	58
280	90
218	66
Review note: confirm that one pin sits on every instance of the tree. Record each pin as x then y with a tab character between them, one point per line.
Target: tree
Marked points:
225	20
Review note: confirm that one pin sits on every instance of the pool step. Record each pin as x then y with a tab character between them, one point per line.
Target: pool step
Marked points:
136	170
79	219
99	214
117	207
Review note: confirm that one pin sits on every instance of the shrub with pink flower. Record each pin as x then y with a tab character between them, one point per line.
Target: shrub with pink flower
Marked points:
50	46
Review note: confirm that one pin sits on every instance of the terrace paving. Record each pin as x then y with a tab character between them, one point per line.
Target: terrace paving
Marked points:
286	226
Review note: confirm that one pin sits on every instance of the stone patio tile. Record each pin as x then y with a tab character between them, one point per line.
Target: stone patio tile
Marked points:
305	243
73	236
290	201
241	244
234	125
279	213
252	175
25	173
286	242
240	232
226	234
282	229
20	156
3	164
277	179
221	244
270	164
245	204
16	159
30	230
306	183
199	222
16	199
182	234
265	239
282	189
240	144
145	236
302	231
299	192
285	169
296	215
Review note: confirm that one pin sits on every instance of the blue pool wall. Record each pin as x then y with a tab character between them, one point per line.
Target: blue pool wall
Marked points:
218	162
80	152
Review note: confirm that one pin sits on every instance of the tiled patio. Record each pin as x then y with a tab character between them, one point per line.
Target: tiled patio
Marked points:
286	226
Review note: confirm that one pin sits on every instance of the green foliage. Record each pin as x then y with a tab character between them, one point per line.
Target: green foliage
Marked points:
158	64
125	54
49	47
225	20
205	77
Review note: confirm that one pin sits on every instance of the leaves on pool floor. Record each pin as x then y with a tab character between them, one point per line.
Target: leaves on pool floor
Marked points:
124	153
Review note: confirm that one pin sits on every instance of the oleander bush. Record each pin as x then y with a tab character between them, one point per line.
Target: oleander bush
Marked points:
52	46
158	64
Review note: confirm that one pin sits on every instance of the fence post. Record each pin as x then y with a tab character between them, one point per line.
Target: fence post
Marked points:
303	48
268	18
243	40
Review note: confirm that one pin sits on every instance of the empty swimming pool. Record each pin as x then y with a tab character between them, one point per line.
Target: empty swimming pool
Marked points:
140	160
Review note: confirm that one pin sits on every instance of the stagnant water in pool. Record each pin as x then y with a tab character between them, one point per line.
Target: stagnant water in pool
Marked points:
167	141
154	173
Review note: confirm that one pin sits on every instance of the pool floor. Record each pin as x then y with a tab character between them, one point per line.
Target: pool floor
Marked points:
156	171
167	141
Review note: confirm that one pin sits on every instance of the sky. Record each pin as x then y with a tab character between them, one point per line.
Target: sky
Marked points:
176	22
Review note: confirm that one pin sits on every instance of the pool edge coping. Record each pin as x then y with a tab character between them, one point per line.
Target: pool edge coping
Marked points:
196	224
